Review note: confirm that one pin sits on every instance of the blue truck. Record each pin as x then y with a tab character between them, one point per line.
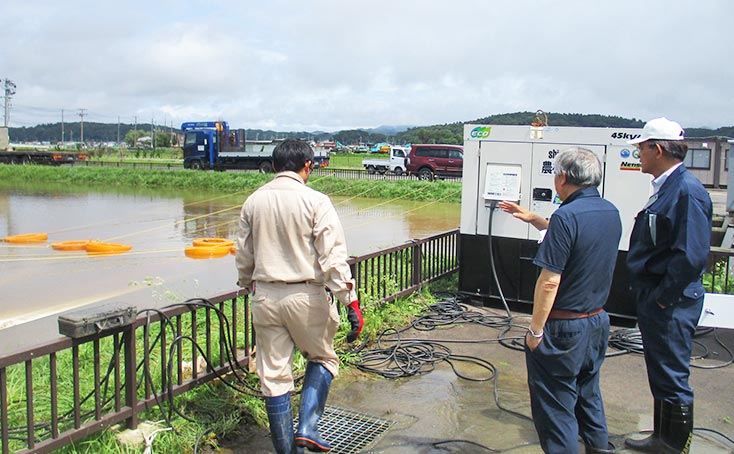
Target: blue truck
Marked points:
213	145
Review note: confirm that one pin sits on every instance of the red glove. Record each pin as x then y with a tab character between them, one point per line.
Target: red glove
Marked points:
354	315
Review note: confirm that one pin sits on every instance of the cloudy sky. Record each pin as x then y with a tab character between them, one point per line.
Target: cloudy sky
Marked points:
342	64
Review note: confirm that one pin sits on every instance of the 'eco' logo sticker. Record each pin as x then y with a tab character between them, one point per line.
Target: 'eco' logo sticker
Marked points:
480	132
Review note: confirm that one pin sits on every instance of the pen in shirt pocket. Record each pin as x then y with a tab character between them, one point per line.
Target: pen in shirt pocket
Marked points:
653	225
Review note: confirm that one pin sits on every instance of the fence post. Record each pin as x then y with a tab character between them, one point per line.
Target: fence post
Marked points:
131	397
417	261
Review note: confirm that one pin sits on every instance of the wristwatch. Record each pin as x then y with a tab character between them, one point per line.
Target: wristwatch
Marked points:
535	335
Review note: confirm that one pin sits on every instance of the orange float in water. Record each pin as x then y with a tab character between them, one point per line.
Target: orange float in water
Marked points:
213	242
27	238
73	245
206	252
101	248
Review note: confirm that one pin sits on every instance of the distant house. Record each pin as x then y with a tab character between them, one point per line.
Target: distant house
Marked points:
144	142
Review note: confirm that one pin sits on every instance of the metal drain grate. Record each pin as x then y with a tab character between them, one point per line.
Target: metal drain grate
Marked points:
349	431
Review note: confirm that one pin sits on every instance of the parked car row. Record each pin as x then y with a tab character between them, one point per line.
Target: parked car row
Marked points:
426	161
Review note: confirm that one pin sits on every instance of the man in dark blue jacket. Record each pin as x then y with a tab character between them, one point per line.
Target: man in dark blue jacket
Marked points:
667	256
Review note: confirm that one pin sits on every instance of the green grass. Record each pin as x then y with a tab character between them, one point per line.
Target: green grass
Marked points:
348	160
223	182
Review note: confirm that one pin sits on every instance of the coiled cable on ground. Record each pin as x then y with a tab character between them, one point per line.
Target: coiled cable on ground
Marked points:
629	340
397	357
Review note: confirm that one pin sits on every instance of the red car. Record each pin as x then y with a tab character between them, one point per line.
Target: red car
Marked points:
428	161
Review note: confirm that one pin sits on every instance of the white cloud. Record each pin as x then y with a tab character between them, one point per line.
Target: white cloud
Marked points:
329	64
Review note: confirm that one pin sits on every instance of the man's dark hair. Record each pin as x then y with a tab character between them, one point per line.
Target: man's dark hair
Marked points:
292	155
675	148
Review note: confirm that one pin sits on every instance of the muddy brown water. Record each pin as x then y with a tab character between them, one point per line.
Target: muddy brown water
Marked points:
38	282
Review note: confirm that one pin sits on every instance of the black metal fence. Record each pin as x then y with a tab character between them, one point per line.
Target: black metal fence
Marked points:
59	392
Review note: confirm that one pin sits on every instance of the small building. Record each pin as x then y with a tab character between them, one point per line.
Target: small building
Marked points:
708	160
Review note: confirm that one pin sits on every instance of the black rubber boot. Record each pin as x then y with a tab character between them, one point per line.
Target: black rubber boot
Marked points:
651	443
610	449
677	428
313	399
281	423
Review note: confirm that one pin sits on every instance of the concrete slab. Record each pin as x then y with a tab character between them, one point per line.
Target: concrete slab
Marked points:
439	411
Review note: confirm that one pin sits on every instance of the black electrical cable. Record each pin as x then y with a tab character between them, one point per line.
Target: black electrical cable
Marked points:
716	432
720	342
626	340
396	357
41	429
492	207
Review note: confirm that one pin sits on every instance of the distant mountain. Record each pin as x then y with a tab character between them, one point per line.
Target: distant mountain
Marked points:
446	133
389	130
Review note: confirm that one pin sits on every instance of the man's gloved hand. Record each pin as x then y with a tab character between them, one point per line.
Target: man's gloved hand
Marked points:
354	315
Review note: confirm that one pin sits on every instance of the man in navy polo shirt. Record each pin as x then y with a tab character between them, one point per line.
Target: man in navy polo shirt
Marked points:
569	331
669	246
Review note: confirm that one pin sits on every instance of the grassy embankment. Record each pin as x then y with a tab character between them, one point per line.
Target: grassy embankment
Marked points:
226	182
173	156
217	409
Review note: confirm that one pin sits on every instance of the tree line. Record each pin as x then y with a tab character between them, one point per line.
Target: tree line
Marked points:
451	133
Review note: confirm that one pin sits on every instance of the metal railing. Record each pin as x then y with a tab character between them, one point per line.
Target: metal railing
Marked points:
130	165
398	271
63	391
323	171
719	275
364	174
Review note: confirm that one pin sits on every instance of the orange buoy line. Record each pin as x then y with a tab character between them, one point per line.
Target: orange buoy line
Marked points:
73	245
27	238
213	242
99	247
206	252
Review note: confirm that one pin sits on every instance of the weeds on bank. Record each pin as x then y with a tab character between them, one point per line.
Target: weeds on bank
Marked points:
77	178
716	280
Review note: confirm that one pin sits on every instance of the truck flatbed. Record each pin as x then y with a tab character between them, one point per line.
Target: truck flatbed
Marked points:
45	157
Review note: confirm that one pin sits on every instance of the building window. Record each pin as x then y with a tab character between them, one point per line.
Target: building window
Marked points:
726	160
698	158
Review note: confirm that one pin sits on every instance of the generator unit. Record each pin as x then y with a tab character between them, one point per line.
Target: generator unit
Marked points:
515	163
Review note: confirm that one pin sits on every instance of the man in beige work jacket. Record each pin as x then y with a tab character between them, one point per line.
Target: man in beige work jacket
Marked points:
289	248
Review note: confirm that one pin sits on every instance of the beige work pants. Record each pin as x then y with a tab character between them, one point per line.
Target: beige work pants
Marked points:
286	316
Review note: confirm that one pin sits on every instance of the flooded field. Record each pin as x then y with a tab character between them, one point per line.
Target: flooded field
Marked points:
37	282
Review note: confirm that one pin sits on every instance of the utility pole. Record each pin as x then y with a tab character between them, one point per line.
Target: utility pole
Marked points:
9	91
81	115
118	130
62	128
152	131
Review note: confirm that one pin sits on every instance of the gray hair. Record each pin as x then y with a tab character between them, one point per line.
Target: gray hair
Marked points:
674	148
581	166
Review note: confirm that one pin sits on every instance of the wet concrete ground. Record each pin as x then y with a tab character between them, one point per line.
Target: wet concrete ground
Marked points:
441	412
